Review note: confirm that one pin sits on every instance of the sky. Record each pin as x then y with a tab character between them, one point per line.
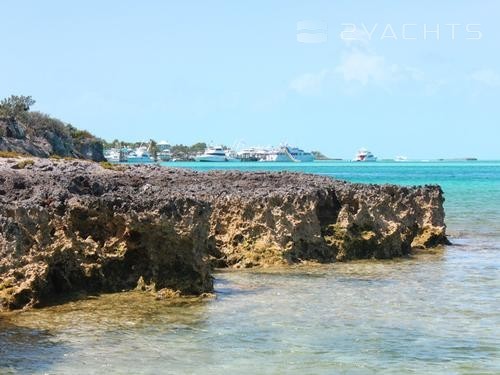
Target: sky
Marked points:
332	75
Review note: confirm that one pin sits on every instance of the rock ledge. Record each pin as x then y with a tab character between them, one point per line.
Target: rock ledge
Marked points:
73	226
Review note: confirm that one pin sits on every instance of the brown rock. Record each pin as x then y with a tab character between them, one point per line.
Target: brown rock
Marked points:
71	227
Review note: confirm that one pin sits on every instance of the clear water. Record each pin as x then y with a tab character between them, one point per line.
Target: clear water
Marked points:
437	312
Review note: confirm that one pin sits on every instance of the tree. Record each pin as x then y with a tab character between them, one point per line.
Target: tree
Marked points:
14	105
153	149
198	147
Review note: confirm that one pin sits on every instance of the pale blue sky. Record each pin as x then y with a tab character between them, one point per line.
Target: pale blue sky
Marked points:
224	71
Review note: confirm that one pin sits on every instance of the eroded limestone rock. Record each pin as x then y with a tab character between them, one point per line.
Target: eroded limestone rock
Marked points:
71	227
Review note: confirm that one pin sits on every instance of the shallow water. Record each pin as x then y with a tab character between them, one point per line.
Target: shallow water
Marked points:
437	312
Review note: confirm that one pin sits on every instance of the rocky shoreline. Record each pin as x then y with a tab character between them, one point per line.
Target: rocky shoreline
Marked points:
73	226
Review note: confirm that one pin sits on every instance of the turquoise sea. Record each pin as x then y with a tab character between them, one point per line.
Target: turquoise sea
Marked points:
437	312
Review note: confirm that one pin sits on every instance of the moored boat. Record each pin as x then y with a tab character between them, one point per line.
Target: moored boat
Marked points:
164	152
139	155
116	155
252	154
288	154
112	155
213	154
364	155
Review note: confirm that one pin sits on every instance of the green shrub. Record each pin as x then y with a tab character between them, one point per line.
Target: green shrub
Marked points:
38	123
23	164
15	106
111	166
11	154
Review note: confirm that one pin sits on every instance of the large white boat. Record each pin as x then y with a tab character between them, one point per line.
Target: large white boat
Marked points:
164	153
116	155
364	155
112	155
140	155
253	154
232	155
213	154
287	154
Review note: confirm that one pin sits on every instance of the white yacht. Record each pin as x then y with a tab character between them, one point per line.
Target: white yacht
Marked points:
140	155
253	154
287	154
164	153
116	155
400	158
112	155
364	155
213	154
232	155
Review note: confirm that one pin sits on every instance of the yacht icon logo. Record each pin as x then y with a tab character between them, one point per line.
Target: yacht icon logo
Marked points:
312	32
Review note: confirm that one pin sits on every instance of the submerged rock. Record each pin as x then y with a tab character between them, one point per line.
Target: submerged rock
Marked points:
69	227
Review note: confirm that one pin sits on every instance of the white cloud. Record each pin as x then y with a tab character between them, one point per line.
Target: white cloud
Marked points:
413	74
366	67
309	83
362	67
432	87
488	77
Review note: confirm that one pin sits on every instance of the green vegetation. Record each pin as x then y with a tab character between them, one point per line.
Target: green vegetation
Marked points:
41	123
184	152
11	154
118	144
38	123
23	164
15	106
153	149
111	166
79	134
19	122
